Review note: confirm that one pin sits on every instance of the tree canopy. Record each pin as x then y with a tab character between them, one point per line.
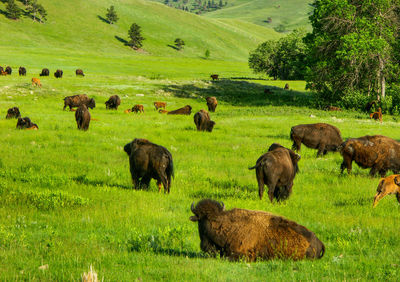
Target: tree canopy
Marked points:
135	36
111	15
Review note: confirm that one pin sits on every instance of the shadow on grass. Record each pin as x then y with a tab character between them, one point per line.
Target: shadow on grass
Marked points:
103	19
120	39
82	179
354	202
173	47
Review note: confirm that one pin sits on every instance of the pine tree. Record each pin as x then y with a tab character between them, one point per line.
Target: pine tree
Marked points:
13	12
135	36
36	10
207	54
179	43
112	15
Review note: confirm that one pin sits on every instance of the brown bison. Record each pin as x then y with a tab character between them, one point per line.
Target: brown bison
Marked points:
277	169
160	105
22	71
113	102
82	117
13	113
214	76
8	70
203	122
79	72
387	186
211	103
36	82
148	160
26	123
186	110
380	153
321	136
77	100
138	108
58	74
369	105
286	86
252	235
332	108
377	115
45	72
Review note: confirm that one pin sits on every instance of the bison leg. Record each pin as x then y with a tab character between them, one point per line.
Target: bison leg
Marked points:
145	182
296	145
260	180
398	197
321	149
347	163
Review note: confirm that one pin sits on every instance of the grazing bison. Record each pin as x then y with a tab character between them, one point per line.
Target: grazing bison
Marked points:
22	71
79	72
36	82
277	169
148	160
380	153
77	100
203	122
8	70
214	76
138	108
26	123
286	86
211	103
321	136
82	117
160	105
113	102
377	115
58	74
252	235
13	113
45	72
387	186
186	110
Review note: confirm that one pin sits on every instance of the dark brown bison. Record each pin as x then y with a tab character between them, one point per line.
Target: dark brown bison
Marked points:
252	235
22	71
148	160
79	72
8	70
214	76
203	122
82	117
277	169
77	100
160	105
113	102
45	72
377	115
138	108
380	153
321	136
58	74
286	86
388	186
186	110
13	113
36	82
26	123
211	103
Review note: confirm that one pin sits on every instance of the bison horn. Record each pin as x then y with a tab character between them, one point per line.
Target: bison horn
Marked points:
192	207
223	206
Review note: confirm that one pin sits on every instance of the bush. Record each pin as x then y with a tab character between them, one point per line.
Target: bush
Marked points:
354	100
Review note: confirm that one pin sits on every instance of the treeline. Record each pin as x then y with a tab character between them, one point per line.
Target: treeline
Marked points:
31	8
196	6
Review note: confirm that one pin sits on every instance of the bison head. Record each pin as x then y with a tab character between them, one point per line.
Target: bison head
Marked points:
134	145
206	209
387	186
210	125
92	103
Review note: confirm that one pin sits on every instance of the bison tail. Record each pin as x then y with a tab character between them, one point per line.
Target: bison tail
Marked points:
291	134
253	167
170	169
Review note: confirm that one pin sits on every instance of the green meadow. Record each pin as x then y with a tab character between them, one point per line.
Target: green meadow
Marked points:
66	197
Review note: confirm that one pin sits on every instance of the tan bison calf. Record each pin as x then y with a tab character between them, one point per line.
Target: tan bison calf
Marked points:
252	235
211	103
82	117
36	81
377	115
214	76
160	105
203	122
387	186
138	108
26	123
186	110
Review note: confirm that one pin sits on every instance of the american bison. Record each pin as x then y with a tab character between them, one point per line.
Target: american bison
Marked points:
3	73
36	82
160	105
22	71
26	123
82	117
252	235
203	122
387	186
138	108
369	105
127	111
332	108
286	86
186	110
58	74
277	169
77	100
13	113
113	102
377	115
214	76
79	72
45	72
1	69
321	136
211	103
8	70
148	160
380	153
161	111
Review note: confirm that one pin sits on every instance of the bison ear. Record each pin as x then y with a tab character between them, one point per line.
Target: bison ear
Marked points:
127	148
397	180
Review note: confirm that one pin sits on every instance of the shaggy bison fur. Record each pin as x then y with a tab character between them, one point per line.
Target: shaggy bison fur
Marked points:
13	113
148	160
77	100
186	110
277	169
8	70
22	71
82	117
26	123
160	105
58	74
79	72
387	186
113	102
211	103
203	122
252	235
45	72
321	136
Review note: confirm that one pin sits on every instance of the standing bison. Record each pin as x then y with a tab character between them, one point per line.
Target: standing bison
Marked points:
148	160
321	136
77	100
22	71
252	235
113	102
203	122
79	72
159	105
8	70
58	74
26	123
13	113
45	72
211	103
276	169
186	110
214	76
82	117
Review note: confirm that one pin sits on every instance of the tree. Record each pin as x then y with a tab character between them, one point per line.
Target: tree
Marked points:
13	11
207	54
135	36
112	15
36	10
179	43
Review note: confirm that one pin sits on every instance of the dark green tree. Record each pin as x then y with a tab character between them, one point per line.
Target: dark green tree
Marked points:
36	10
111	15
207	54
179	43
12	9
135	37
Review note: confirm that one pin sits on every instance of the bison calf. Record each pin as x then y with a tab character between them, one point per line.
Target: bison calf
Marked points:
26	123
45	72
138	108
211	103
186	110
387	186
113	102
82	117
79	72
36	82
203	122
214	76
160	105
13	113
252	235
377	115
22	71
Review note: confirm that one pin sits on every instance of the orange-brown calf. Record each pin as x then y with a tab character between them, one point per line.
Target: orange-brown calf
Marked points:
159	105
377	115
127	111
387	186
36	81
138	109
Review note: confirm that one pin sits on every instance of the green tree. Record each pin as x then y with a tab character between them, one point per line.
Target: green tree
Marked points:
179	43
111	15
12	9
207	54
36	10
135	36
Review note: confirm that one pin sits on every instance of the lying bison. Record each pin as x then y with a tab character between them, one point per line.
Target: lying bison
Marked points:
380	153
203	122
321	136
276	169
79	72
22	71
252	235
13	113
82	117
58	74
77	100
113	102
211	103
387	186
45	72
186	110
148	160
26	123
8	70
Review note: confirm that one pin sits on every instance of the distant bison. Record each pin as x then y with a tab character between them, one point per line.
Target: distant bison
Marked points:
22	71
203	122
377	115
13	113
186	110
387	186
268	91
159	105
277	169
138	108
214	76
252	235
332	108
148	160
36	82
58	74
113	102
77	100
1	69
26	123
45	72
211	103
161	111
286	86
82	117
321	136
380	153
369	105
8	70
79	72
